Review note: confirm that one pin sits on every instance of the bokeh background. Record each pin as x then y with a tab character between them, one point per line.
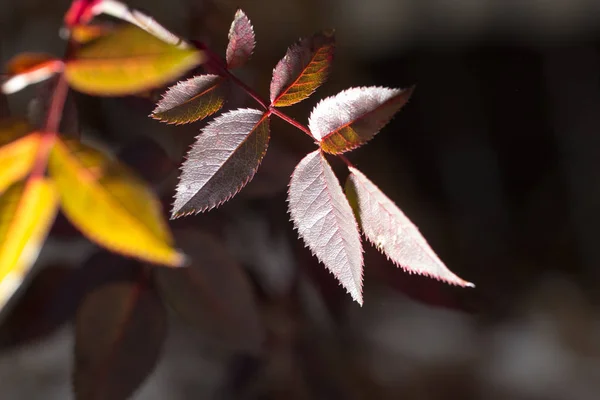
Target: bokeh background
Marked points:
496	158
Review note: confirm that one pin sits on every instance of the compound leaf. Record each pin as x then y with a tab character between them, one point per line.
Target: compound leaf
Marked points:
241	41
27	210
119	331
304	68
191	100
109	205
17	151
222	161
325	221
213	293
352	117
390	230
128	60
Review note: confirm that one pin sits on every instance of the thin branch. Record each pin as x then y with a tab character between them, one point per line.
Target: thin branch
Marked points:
291	121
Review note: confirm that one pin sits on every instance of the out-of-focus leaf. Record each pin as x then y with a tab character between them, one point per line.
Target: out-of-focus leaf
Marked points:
191	100
213	293
325	221
17	151
119	332
86	33
241	41
222	161
80	11
390	230
126	61
27	210
304	68
352	117
29	68
111	206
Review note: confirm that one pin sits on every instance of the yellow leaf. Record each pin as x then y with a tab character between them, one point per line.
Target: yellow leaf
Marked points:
126	61
111	206
27	211
17	152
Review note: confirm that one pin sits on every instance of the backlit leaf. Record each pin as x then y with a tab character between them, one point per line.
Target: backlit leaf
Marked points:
325	221
241	41
191	100
85	33
126	61
109	205
17	151
304	68
213	293
223	160
28	68
390	230
27	210
119	332
351	118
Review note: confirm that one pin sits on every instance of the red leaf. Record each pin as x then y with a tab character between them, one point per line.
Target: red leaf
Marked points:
120	328
304	68
386	226
191	100
351	118
324	220
241	41
213	293
223	160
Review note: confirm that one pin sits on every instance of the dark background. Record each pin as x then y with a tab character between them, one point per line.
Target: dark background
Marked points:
495	158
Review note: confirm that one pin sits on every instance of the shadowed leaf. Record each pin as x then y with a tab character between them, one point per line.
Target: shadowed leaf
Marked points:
351	118
304	68
191	100
325	222
29	68
109	205
126	61
213	293
17	151
386	226
27	210
86	33
222	161
119	331
241	41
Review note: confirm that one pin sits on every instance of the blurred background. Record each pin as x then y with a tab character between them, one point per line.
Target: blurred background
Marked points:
496	158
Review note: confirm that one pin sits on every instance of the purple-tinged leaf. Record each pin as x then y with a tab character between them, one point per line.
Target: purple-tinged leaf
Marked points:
386	226
352	117
191	100
241	41
324	219
223	160
304	68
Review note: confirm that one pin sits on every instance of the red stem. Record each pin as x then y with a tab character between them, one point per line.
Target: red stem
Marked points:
290	121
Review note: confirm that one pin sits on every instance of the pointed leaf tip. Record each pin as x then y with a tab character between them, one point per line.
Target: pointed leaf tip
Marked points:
390	230
304	68
222	161
241	41
191	100
352	117
324	220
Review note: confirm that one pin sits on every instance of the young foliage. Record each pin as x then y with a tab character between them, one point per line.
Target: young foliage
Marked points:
304	68
29	68
191	100
241	41
351	118
27	211
108	204
324	220
213	293
128	60
390	230
17	151
223	160
119	331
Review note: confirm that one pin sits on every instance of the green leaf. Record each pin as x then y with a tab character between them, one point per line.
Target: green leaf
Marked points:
127	61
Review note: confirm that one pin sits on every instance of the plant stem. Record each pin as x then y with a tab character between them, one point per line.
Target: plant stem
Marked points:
291	121
345	160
